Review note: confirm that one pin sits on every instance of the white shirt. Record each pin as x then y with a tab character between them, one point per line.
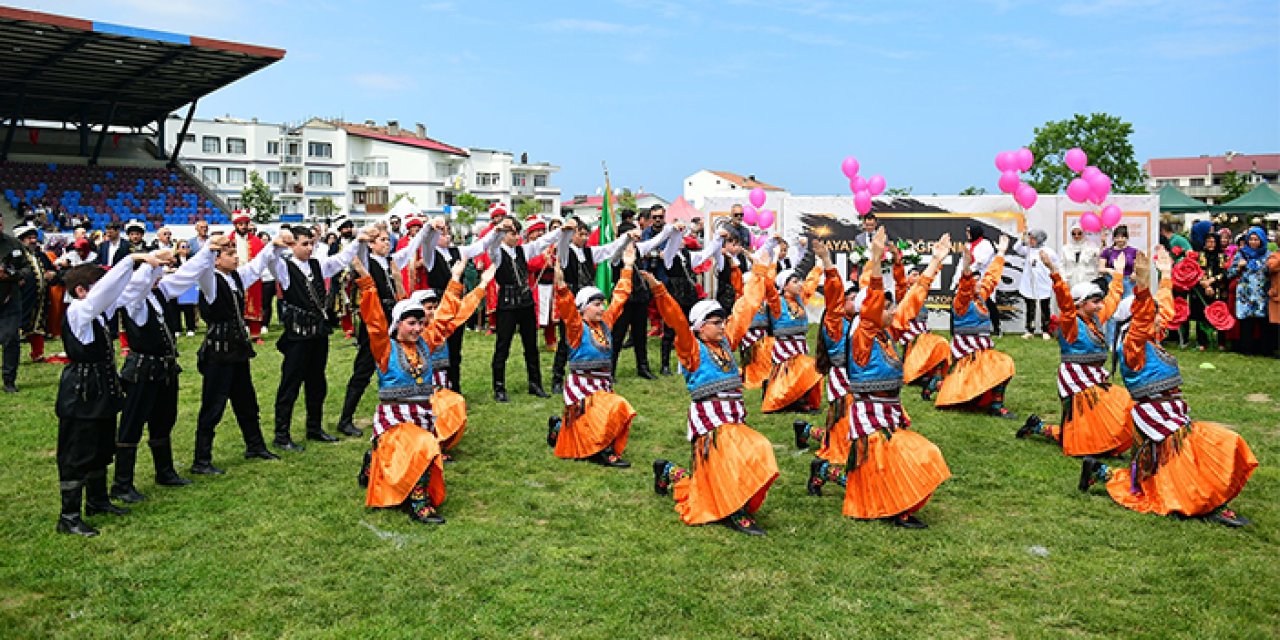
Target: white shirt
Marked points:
599	255
1035	283
196	271
329	265
249	273
121	286
529	249
696	258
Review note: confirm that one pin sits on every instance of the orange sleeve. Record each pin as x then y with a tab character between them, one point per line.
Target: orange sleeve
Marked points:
686	343
375	321
470	303
869	321
833	293
991	279
739	320
899	281
1141	328
910	305
811	284
964	293
445	320
772	298
1066	308
621	293
1115	291
567	308
1164	301
735	278
864	277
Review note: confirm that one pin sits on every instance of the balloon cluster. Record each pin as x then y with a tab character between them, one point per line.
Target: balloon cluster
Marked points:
1010	164
863	188
753	215
1091	187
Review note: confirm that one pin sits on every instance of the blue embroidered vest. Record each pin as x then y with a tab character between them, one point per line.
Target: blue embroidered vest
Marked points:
1159	373
398	383
788	324
591	355
882	372
837	352
761	319
1087	348
712	378
974	321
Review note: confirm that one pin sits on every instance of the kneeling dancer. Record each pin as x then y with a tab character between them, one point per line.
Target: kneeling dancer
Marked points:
732	465
1179	466
597	421
794	381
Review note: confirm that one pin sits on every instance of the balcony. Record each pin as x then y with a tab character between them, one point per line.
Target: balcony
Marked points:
290	161
522	190
547	190
1202	192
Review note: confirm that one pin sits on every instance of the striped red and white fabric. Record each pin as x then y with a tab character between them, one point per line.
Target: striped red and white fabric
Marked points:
579	385
788	347
753	336
837	383
1074	377
1159	418
440	378
390	415
915	329
706	415
964	344
869	413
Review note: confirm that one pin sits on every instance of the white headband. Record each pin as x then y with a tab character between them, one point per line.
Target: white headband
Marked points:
586	295
408	305
783	277
1084	290
701	311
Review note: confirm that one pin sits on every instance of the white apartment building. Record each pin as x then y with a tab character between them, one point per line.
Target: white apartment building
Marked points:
709	184
361	168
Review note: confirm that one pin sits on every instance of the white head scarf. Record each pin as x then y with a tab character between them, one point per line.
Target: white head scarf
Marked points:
1085	290
701	311
586	295
783	277
406	306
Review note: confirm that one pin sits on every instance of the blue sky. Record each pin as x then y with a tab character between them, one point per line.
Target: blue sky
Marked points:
924	93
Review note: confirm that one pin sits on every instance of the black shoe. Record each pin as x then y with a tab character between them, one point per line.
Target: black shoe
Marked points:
666	370
1028	426
1088	468
346	428
1227	518
536	390
206	469
95	507
1003	414
814	486
909	521
10	387
499	395
608	458
801	429
321	436
627	344
362	478
553	430
171	478
287	445
557	387
430	517
263	454
743	523
661	484
127	493
74	525
645	373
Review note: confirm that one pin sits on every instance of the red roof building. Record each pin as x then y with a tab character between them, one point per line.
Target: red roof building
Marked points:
1201	177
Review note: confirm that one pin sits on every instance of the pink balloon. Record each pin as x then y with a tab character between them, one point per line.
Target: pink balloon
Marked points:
1024	158
862	202
876	185
756	241
1078	190
1009	182
1099	184
1111	215
858	183
1076	159
849	167
1090	222
1006	161
1096	198
1089	172
765	219
750	214
1026	196
757	197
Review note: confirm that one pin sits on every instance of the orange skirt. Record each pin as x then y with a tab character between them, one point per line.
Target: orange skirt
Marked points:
605	421
974	375
404	453
897	475
924	353
1206	470
835	444
450	409
1099	422
757	370
735	474
792	381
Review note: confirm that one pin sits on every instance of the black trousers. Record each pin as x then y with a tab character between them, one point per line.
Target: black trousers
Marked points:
187	312
993	310
85	447
10	324
669	336
561	360
634	320
154	404
361	373
1043	325
303	370
526	320
223	382
455	359
268	300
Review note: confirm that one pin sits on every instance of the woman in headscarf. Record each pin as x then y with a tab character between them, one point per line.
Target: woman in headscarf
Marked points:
1079	257
1212	286
1034	286
1250	266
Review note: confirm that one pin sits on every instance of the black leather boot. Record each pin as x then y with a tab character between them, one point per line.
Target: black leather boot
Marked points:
162	456
557	386
122	488
96	499
69	521
348	428
284	440
644	372
202	463
499	391
362	478
666	359
535	389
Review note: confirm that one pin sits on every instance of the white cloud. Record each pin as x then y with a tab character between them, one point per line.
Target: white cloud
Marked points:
576	25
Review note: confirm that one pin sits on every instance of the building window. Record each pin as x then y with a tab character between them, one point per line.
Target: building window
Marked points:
444	170
519	179
212	144
547	205
235	176
444	198
359	170
319	150
190	137
539	179
212	174
319	179
275	178
234	203
192	169
358	197
236	146
1197	182
273	147
380	169
487	179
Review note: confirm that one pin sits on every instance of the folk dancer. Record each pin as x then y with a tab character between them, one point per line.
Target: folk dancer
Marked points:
515	307
248	245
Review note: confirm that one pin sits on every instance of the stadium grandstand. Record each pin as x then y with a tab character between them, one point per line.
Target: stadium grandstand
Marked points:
84	105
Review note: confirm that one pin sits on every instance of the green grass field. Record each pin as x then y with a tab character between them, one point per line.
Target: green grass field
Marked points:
540	547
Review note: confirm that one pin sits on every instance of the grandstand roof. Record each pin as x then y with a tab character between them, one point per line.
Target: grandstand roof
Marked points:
67	69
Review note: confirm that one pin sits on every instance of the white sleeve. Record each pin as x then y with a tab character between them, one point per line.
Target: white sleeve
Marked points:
402	257
266	259
102	296
672	248
1020	248
645	246
144	279
607	252
480	246
331	265
538	246
196	271
565	246
712	249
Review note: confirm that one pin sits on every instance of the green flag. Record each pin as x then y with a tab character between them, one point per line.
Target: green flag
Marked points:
604	272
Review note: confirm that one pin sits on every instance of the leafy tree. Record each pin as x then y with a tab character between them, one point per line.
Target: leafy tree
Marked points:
257	198
469	207
1234	185
626	200
1104	138
973	191
326	208
398	197
898	191
527	207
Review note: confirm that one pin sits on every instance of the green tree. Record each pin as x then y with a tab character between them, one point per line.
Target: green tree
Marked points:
257	198
528	207
468	208
973	191
1103	138
327	209
626	200
398	197
894	192
1234	185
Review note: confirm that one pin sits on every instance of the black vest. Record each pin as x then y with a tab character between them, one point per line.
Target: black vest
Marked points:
89	388
513	281
382	282
227	339
580	272
726	295
153	356
680	281
441	270
302	306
